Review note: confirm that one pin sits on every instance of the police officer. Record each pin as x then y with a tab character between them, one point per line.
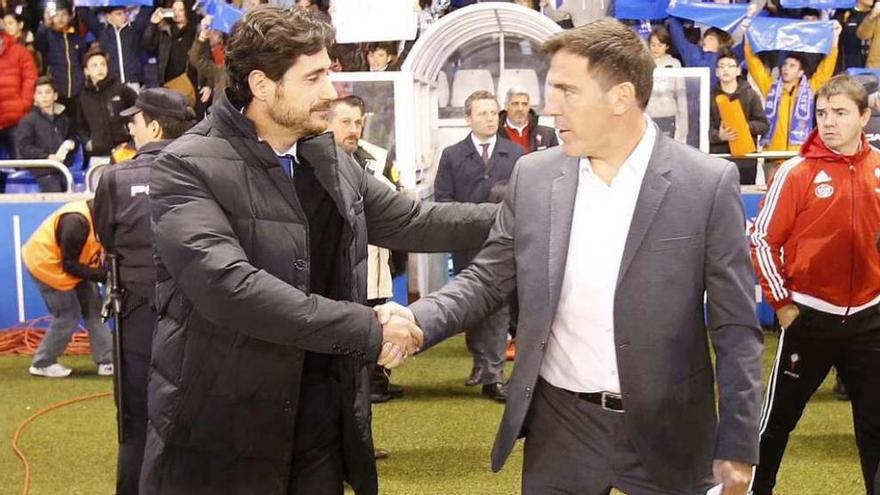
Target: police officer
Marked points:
122	220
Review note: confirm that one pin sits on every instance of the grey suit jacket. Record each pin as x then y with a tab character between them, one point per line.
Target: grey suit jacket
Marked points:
687	236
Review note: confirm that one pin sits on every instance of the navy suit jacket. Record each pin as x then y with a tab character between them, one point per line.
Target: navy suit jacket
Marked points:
463	177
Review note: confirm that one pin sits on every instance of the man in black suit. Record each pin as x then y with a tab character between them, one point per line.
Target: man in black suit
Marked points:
476	170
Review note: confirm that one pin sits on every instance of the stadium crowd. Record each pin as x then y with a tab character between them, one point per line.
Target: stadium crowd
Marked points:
82	84
67	71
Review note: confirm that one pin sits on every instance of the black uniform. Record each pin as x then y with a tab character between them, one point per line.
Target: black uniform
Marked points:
122	221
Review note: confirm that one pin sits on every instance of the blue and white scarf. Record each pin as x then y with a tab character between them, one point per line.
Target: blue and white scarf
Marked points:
801	122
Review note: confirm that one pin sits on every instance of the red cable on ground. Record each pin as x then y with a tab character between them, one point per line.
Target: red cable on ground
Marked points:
26	337
26	485
24	340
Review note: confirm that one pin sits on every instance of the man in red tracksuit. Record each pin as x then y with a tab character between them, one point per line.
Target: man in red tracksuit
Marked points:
813	247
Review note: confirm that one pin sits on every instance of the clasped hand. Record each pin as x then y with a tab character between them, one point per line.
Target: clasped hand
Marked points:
401	337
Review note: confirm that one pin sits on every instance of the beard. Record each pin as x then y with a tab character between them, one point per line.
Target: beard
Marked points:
298	119
518	119
349	145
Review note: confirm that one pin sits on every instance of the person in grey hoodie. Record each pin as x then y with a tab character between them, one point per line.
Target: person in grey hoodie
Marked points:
668	105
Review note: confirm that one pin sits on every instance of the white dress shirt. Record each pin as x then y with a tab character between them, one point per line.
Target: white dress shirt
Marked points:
581	354
491	142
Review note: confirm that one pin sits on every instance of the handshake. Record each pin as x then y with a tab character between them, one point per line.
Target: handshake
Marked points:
401	337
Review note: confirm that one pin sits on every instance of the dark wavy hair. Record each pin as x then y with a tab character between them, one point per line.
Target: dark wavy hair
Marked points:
270	39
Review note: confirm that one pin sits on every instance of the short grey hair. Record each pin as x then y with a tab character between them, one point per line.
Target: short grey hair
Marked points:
516	91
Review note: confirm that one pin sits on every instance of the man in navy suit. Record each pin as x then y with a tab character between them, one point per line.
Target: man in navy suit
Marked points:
476	170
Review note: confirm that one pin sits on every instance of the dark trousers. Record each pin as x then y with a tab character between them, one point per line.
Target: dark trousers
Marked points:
486	340
808	349
575	447
51	181
317	467
748	171
487	343
132	363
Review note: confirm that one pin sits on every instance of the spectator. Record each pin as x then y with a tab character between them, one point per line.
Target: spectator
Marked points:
660	41
62	50
46	133
789	98
246	5
668	106
529	4
172	33
16	6
98	116
17	78
64	258
575	13
775	8
121	40
477	170
208	56
519	123
706	53
382	56
810	14
869	31
736	116
316	7
814	59
14	26
429	12
347	57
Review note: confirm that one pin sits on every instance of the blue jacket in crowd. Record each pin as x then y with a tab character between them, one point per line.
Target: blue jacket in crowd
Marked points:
62	57
125	42
692	55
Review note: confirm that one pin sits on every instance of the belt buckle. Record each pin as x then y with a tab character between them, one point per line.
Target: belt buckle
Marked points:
604	402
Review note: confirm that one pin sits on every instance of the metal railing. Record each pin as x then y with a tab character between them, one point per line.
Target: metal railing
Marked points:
767	155
90	174
41	164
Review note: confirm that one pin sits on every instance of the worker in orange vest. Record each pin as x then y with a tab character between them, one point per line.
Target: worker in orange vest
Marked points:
64	258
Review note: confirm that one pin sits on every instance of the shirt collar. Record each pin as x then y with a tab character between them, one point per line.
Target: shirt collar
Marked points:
519	128
637	161
477	142
290	152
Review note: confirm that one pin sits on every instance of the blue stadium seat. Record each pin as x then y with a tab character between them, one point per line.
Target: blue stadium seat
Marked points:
21	182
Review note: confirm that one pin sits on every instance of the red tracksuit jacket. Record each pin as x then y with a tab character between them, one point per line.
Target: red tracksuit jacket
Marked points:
814	239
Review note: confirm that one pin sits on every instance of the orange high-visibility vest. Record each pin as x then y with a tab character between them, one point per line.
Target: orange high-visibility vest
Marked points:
42	254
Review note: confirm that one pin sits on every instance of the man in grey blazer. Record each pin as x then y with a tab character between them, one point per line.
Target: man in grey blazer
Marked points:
612	241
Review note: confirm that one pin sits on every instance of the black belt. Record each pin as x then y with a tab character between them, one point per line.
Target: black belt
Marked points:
609	401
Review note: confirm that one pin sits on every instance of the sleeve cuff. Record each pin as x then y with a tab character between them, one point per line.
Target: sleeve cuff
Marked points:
373	341
779	304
